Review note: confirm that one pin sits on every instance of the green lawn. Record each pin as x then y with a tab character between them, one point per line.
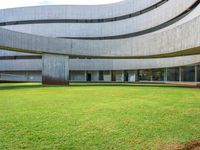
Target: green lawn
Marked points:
98	117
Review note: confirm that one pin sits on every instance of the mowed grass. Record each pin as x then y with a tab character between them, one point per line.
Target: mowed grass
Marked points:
97	116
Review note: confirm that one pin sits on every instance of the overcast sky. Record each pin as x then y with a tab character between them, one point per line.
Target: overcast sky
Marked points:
20	3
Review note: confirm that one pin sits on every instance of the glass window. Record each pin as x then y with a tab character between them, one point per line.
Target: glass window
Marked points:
106	72
158	75
100	75
125	75
173	74
198	73
188	73
145	75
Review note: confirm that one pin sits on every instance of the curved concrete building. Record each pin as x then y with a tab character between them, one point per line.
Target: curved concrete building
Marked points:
128	41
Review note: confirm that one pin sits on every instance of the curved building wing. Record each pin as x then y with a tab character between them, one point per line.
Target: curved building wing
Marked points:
147	40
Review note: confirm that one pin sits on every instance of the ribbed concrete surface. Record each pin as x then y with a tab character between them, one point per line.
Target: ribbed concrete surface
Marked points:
177	41
102	64
141	22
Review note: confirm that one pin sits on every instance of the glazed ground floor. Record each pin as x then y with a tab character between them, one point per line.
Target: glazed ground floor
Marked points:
177	74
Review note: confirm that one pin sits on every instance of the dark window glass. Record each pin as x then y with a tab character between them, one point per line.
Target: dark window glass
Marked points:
89	77
188	73
101	75
198	73
125	75
173	74
106	72
158	75
145	75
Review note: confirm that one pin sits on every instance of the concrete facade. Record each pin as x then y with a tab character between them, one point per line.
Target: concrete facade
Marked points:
127	41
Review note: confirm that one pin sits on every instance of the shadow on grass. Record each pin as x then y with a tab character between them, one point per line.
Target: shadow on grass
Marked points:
128	85
11	86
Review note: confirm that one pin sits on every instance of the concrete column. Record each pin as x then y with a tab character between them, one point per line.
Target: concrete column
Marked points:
180	74
55	69
151	78
132	76
85	76
107	77
97	75
122	75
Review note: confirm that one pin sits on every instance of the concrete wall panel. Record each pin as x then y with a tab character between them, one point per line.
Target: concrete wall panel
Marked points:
75	12
55	69
102	64
175	40
139	23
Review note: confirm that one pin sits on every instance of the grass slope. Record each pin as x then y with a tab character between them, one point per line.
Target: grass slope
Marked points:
98	117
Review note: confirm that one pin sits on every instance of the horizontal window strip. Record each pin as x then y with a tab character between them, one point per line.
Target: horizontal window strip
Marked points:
84	20
134	34
20	57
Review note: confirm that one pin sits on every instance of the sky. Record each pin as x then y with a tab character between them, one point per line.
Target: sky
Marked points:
21	3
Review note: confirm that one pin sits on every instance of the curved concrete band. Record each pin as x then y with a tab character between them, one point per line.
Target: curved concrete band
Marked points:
173	42
102	64
115	29
75	11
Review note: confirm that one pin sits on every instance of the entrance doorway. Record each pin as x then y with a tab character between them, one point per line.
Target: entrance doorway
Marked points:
126	76
89	77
